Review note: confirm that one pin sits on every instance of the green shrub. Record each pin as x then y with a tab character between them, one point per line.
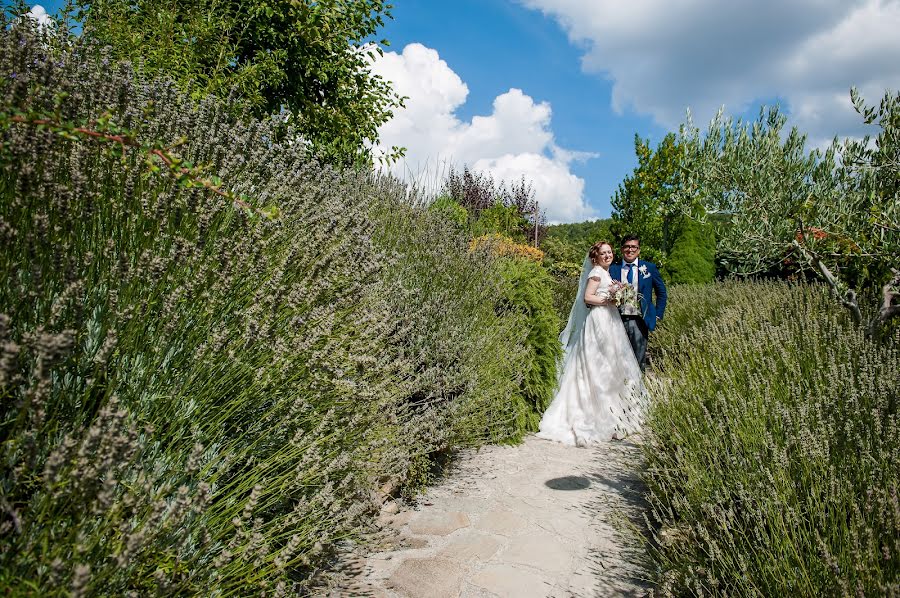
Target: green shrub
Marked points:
204	383
528	292
772	447
451	211
503	219
565	248
469	359
508	209
692	259
564	289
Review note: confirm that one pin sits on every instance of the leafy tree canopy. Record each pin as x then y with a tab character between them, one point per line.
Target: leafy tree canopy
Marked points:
643	204
308	58
834	213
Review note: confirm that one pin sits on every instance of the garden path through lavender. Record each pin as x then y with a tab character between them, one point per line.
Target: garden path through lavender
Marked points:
538	519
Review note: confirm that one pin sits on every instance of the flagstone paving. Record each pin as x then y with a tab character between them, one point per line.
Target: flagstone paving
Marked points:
539	519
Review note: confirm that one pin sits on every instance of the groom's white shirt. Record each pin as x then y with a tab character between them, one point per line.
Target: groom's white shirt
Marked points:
625	266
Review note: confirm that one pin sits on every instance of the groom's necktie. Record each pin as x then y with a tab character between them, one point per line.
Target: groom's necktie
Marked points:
630	273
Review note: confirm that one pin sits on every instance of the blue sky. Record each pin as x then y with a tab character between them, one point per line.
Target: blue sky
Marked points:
555	90
495	45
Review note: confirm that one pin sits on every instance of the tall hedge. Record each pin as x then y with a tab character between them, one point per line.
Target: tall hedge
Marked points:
215	353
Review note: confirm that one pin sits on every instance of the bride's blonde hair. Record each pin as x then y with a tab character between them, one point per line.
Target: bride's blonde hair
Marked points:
594	253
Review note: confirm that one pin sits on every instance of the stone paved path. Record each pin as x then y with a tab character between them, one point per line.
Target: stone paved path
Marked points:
538	519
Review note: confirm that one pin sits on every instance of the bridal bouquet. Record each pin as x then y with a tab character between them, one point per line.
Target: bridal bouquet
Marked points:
625	297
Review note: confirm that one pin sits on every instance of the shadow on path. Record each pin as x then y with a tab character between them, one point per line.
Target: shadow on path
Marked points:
570	482
536	520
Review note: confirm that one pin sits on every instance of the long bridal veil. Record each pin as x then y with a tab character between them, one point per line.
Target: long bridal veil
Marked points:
577	316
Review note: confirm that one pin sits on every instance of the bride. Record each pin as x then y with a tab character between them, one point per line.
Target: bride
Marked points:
600	394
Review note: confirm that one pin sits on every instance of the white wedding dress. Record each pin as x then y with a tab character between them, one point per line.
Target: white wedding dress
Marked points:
599	395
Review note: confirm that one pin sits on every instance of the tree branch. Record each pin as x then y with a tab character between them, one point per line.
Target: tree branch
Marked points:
845	295
890	307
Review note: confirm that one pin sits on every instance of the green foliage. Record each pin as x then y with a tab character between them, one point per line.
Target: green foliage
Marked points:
501	223
524	301
579	236
565	247
693	256
561	255
564	288
504	219
451	211
469	358
510	210
643	204
772	446
309	58
198	398
835	213
527	292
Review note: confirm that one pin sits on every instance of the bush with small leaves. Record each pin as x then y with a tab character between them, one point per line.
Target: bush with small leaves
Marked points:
528	292
772	446
692	258
213	352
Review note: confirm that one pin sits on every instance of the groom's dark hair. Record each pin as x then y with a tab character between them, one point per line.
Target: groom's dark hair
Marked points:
631	238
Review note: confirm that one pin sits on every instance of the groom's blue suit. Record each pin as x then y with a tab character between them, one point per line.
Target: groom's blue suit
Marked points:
649	283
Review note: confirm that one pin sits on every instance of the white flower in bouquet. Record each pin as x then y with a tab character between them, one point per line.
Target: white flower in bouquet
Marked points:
625	297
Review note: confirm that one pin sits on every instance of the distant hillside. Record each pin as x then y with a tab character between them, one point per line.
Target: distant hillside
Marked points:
582	234
565	245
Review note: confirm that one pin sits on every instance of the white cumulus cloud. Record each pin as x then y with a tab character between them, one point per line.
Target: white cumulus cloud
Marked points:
665	56
39	14
514	140
555	187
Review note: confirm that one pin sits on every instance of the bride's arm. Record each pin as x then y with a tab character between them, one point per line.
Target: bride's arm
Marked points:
590	293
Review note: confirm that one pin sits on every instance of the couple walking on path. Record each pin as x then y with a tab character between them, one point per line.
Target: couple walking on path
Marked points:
600	394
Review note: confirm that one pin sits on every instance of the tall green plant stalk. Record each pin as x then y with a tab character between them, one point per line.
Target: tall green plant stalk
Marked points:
773	447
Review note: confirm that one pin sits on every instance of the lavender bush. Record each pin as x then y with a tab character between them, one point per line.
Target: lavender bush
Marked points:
214	352
773	447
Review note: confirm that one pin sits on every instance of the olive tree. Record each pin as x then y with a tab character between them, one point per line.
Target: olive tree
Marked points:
834	213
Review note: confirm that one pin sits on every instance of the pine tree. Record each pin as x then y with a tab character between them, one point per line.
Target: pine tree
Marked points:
692	259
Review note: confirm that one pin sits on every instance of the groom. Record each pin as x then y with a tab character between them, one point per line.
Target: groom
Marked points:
646	279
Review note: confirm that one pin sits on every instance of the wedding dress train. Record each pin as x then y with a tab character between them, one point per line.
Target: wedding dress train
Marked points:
600	394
